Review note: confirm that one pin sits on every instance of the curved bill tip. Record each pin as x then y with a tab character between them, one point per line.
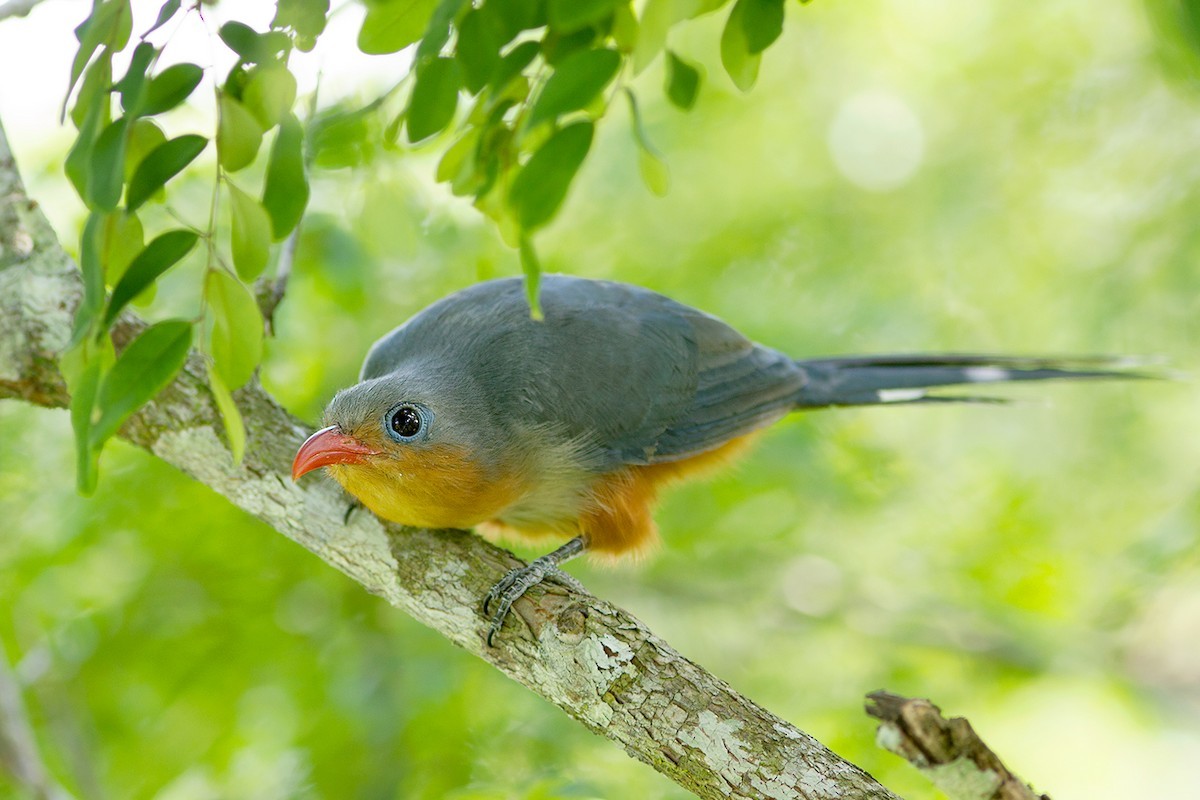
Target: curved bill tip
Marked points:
329	446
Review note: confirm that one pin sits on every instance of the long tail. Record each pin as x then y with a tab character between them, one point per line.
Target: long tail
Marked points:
896	379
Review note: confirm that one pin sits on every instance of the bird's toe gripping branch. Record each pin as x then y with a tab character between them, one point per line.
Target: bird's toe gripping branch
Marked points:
512	586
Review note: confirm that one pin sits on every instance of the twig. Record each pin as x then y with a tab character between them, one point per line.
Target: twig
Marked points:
18	8
947	751
270	292
19	752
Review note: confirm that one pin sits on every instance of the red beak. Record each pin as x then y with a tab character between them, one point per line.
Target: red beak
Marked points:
329	446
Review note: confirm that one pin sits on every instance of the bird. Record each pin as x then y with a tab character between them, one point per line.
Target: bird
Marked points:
475	413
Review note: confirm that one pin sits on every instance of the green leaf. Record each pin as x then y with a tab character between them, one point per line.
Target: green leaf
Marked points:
156	258
235	428
122	238
739	62
141	371
168	10
235	342
624	29
654	170
457	166
557	46
512	64
541	186
170	88
95	89
495	205
251	238
691	9
762	23
91	265
496	148
285	193
478	50
235	81
509	17
575	83
119	25
306	17
109	24
338	137
571	15
437	33
434	98
392	25
655	173
252	46
683	82
163	163
657	18
532	268
146	297
269	93
106	169
391	134
79	158
142	139
134	82
238	134
87	48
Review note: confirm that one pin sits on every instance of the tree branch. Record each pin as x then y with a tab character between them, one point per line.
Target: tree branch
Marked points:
947	751
18	746
601	666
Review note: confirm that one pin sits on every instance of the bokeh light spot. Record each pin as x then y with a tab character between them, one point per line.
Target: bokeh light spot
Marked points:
876	140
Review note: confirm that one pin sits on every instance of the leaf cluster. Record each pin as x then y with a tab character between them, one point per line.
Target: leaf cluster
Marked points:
123	161
517	89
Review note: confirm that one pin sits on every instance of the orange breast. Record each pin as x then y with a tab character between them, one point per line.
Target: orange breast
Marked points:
433	487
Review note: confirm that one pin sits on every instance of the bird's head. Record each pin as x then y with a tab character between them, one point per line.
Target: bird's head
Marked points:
380	421
409	447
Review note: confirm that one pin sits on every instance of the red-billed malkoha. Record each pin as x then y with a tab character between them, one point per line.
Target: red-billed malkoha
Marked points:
475	414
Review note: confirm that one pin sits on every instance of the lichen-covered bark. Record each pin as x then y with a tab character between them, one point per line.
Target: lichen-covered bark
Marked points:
591	659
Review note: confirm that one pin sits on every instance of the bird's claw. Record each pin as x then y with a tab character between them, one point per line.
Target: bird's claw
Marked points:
508	590
513	586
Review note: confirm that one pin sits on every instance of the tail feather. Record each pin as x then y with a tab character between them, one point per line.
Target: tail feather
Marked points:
905	379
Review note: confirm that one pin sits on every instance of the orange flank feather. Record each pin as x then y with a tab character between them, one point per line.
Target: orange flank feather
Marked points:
618	514
620	517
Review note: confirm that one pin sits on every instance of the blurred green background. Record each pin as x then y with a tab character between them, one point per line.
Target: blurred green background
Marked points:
920	175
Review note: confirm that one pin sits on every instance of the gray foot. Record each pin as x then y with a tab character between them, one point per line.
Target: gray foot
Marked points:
512	586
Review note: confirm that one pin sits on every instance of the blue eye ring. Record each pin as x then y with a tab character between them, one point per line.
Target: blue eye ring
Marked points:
407	422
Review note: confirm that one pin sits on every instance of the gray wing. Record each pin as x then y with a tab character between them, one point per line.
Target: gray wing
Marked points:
740	387
643	377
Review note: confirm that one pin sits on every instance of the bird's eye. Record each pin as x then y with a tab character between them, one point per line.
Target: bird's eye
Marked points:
405	421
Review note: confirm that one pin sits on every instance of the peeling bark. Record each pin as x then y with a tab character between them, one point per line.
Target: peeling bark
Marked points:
591	659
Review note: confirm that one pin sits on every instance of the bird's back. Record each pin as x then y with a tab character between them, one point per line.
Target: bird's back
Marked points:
644	377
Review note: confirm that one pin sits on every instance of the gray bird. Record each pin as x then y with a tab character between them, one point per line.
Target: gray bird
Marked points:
473	413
